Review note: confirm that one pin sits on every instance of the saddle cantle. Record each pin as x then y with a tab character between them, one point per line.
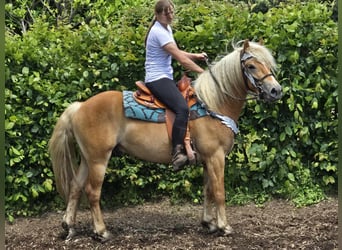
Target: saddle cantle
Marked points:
144	97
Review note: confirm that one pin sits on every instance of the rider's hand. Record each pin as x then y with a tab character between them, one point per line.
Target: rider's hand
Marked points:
202	56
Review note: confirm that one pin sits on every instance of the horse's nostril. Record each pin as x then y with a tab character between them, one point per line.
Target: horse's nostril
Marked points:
275	92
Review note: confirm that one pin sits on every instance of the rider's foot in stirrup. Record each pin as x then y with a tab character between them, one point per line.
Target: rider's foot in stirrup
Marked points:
179	158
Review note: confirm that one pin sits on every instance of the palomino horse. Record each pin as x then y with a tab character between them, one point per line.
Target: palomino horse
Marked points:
98	125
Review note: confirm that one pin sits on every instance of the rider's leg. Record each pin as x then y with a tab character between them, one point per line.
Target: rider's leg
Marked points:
167	92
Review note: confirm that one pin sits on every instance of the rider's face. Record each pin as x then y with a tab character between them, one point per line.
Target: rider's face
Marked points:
166	17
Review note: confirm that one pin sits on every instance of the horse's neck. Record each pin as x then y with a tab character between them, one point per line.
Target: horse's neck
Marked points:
234	101
232	109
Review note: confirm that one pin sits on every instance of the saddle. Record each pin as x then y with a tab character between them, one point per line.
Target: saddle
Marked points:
144	97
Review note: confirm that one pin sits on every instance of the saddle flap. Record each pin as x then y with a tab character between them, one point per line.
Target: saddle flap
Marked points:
147	100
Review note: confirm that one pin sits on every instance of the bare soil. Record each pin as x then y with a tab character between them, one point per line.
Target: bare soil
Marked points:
276	225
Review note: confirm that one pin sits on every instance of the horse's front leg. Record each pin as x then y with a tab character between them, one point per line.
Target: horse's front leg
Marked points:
208	217
215	194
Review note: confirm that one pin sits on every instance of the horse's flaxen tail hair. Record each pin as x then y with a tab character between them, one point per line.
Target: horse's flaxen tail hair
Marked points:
62	151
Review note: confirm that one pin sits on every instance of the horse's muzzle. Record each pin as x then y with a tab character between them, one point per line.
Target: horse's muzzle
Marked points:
271	95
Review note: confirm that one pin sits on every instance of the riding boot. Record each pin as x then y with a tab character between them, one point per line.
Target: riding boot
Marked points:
179	158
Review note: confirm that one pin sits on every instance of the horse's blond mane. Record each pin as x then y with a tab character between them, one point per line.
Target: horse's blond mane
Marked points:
228	73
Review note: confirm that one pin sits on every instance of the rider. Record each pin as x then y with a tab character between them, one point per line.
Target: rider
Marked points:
160	49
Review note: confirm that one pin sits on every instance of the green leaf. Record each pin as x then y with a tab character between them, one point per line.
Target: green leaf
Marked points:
34	193
288	130
9	125
15	152
282	136
25	70
48	184
291	177
328	180
85	74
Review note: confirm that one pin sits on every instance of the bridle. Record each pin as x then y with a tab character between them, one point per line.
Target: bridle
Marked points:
256	82
247	76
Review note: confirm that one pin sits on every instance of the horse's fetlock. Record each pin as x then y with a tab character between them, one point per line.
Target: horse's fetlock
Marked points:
65	226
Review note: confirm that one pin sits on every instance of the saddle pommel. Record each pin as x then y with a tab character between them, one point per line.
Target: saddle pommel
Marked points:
184	83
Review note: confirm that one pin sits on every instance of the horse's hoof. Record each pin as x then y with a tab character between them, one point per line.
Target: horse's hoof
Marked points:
71	234
70	230
210	226
228	230
104	237
213	228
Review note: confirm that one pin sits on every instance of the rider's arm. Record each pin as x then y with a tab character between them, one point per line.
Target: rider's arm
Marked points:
184	58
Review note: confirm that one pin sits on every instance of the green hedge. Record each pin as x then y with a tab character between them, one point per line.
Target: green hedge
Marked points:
287	149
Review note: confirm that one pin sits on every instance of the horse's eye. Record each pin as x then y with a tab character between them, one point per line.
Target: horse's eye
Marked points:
251	67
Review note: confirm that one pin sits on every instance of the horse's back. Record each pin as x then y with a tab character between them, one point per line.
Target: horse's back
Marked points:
103	100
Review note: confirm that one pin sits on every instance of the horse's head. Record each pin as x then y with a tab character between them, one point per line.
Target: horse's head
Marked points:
257	66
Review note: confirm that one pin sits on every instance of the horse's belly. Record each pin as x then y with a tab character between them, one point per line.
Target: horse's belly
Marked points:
146	141
150	154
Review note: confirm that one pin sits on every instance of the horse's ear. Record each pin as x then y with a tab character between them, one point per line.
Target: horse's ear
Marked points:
261	41
245	45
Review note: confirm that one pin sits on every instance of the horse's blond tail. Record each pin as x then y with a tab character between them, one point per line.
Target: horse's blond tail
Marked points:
62	151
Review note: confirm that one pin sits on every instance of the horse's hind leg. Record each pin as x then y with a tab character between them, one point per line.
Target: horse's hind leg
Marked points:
93	190
76	187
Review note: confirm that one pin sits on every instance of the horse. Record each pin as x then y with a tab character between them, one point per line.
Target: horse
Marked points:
87	133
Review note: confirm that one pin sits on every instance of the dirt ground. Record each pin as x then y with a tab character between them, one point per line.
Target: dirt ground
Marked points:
276	225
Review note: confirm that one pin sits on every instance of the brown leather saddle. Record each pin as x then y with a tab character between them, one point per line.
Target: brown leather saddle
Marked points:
144	97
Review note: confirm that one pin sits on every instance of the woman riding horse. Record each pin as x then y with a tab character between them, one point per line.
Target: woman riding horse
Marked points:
160	49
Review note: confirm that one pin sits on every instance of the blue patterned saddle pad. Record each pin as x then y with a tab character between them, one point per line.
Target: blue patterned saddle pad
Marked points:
137	111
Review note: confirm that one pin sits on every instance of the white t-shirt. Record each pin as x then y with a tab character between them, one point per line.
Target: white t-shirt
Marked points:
158	61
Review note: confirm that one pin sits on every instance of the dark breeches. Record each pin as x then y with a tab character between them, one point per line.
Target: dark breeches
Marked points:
167	92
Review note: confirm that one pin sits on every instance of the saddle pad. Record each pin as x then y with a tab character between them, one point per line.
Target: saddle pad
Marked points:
135	110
